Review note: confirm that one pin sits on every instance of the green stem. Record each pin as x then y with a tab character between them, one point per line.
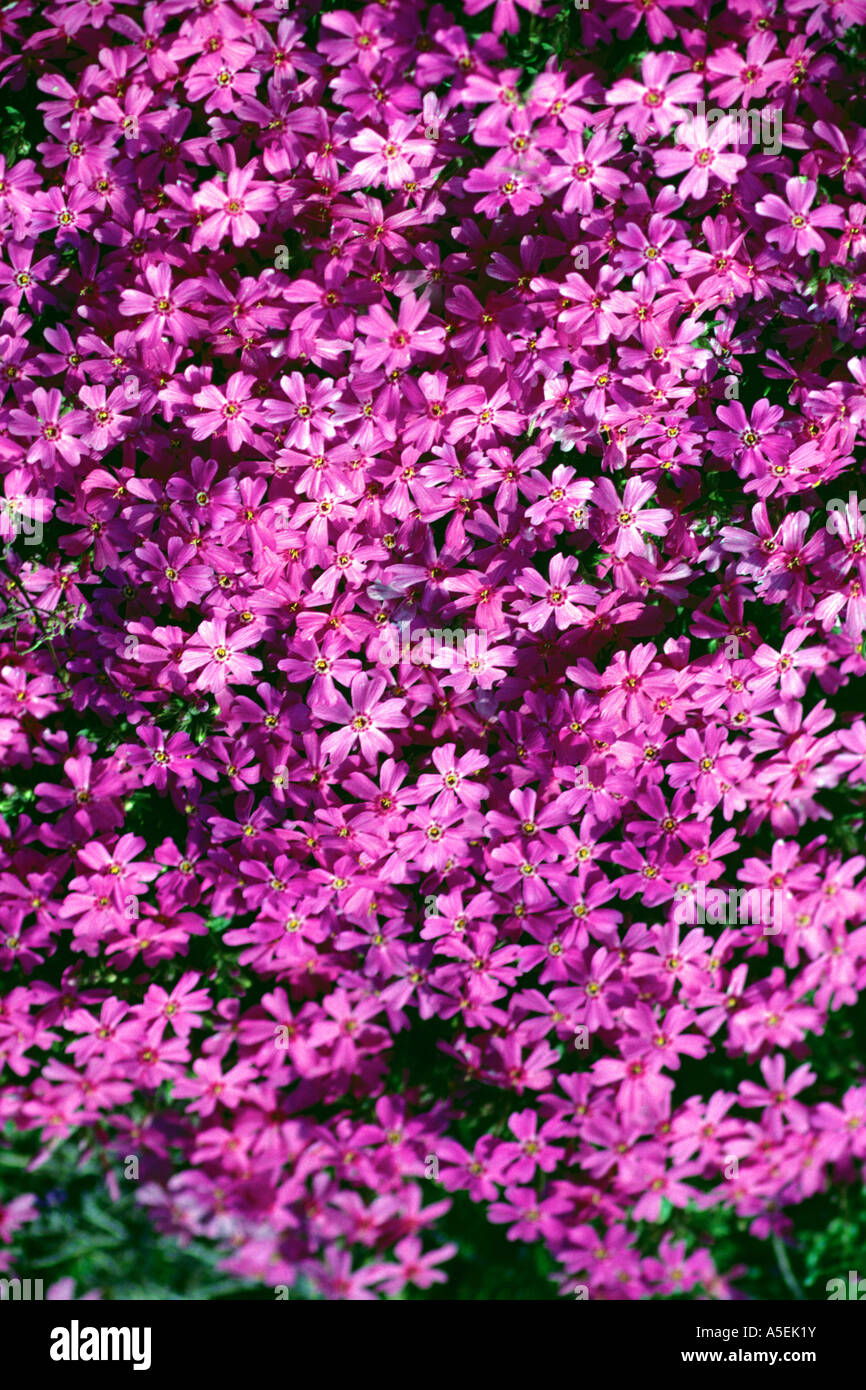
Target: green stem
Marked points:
785	1267
20	589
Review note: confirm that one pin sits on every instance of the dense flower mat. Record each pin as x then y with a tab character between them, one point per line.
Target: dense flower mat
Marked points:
432	612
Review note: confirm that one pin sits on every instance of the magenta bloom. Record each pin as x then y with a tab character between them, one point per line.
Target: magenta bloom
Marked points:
799	220
700	153
414	1267
220	659
778	1093
162	310
556	598
631	516
753	440
531	1217
783	668
362	721
231	410
187	581
388	158
306	414
432	607
230	206
163	756
51	432
107	423
652	103
588	171
393	345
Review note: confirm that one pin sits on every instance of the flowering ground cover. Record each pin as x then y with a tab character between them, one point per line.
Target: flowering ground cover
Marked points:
431	648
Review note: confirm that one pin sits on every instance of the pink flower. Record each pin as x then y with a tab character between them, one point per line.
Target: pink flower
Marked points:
307	413
393	345
187	581
231	206
556	598
231	409
107	423
389	157
52	432
362	721
587	171
211	1086
630	517
700	152
783	667
778	1093
799	219
532	1216
415	1268
651	104
162	311
532	1150
220	659
754	441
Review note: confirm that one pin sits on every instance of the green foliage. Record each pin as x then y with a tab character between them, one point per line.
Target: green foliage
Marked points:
14	144
105	1245
488	1265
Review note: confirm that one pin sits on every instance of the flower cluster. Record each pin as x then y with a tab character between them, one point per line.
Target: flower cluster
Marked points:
322	324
